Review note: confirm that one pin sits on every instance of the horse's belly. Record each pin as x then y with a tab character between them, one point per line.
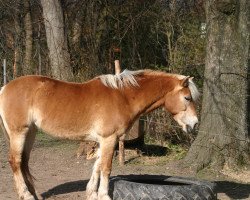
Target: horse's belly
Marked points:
74	130
72	134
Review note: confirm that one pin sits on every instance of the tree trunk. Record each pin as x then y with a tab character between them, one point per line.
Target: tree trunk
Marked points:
77	29
223	137
38	44
76	44
28	68
17	52
56	39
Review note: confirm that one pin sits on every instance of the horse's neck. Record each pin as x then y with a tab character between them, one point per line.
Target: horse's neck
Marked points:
150	93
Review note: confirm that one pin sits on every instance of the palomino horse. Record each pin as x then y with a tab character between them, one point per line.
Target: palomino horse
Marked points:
102	109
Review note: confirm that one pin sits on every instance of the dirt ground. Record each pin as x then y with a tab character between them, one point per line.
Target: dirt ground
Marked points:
60	175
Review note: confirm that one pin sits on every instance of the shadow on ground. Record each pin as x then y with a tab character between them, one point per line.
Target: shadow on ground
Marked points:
233	190
150	149
154	150
65	188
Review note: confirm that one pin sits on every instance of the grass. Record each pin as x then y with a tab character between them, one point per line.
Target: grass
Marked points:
177	151
45	140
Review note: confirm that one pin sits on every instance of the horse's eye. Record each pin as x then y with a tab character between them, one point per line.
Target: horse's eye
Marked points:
189	98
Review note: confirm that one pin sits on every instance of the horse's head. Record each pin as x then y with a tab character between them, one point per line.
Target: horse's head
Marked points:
181	103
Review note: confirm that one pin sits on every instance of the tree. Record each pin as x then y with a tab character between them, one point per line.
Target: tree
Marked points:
17	48
86	21
56	39
223	137
28	68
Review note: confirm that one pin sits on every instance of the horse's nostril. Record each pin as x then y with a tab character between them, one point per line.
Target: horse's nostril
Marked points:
189	129
196	126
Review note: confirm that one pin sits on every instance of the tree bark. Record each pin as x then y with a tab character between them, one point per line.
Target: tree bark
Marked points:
17	52
223	137
77	31
56	39
28	68
76	49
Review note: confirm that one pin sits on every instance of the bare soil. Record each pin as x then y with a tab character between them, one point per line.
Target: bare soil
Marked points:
60	175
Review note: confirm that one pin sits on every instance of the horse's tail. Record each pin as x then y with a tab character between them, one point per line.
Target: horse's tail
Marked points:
4	129
1	120
28	178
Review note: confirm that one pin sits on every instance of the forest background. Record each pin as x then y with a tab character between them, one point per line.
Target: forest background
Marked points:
77	40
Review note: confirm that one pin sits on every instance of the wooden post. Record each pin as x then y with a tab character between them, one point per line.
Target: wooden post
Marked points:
117	67
4	72
121	153
121	141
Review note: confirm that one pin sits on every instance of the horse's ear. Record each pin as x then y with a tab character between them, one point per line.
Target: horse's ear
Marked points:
185	81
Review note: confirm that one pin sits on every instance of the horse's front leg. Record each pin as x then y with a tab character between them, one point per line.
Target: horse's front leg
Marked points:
107	147
93	182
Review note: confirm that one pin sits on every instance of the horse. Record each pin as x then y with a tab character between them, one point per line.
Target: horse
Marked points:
102	110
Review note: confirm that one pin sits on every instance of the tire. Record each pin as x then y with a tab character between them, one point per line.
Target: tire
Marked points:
152	187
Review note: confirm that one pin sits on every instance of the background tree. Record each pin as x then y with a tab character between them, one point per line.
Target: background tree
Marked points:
223	138
56	39
28	66
17	42
87	25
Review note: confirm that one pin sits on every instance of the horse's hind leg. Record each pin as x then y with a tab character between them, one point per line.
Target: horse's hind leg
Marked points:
18	159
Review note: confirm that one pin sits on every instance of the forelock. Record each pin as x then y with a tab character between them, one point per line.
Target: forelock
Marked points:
193	90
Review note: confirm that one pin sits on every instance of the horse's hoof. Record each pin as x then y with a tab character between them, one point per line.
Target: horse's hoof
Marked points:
92	196
104	197
27	196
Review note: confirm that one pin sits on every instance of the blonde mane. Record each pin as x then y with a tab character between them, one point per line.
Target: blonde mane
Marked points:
128	78
118	81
